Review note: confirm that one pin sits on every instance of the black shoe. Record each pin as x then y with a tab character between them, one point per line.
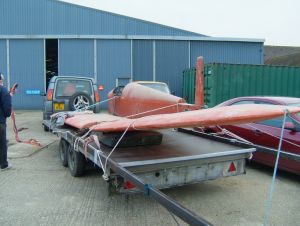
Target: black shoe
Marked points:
9	166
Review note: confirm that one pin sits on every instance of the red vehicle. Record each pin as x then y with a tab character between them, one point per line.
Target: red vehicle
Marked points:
266	133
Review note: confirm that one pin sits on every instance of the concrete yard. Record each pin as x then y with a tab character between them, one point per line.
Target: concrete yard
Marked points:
39	191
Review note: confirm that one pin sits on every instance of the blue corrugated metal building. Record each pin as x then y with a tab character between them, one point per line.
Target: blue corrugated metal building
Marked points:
104	46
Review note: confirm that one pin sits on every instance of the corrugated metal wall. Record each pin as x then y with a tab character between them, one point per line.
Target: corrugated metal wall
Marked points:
76	58
143	60
228	52
171	58
115	53
226	81
3	58
55	17
113	61
27	69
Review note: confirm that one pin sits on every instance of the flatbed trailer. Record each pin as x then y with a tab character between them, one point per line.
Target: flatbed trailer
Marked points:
182	158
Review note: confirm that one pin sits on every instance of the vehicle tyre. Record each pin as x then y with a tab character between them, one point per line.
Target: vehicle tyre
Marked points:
97	109
79	100
46	129
44	116
63	152
76	162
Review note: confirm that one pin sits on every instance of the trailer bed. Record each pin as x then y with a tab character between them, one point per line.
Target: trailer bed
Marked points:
180	159
175	144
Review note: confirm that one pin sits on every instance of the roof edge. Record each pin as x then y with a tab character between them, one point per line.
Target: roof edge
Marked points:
134	37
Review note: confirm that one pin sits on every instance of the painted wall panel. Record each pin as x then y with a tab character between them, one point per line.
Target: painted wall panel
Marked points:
171	59
3	58
56	17
226	81
113	61
76	57
142	60
27	69
227	52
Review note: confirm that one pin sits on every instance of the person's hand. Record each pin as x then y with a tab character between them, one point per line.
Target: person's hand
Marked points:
13	89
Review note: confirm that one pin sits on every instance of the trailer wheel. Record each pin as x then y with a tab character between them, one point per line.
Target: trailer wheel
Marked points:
63	152
46	129
76	162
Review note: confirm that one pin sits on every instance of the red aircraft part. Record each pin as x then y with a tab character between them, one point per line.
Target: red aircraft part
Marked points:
199	87
81	120
137	101
227	115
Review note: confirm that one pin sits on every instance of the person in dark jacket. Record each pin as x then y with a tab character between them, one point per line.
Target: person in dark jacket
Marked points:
5	111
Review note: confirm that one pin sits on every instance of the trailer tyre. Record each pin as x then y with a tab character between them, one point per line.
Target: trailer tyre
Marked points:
46	129
76	162
63	152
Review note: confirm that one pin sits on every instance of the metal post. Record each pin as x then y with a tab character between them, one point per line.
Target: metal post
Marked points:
189	54
95	60
269	202
8	63
154	60
45	73
58	57
131	60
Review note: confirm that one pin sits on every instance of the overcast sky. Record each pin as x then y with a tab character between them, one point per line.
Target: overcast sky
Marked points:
276	21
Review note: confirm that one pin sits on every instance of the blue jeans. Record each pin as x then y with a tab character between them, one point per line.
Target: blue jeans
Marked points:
3	146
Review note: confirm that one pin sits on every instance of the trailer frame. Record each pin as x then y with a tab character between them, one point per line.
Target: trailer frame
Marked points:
124	170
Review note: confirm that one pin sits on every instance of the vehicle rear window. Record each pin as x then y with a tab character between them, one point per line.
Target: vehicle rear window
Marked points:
67	88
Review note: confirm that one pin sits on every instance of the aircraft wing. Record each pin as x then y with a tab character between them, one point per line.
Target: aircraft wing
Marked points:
81	120
225	115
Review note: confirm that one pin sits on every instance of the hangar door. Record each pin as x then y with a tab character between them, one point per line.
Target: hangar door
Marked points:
76	57
113	62
172	57
26	58
142	60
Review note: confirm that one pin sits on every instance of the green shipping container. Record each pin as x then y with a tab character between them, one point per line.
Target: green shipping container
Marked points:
226	81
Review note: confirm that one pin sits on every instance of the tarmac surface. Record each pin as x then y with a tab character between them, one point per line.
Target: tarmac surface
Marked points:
39	191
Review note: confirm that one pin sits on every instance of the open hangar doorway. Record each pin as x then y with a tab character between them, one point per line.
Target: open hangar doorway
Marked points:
51	58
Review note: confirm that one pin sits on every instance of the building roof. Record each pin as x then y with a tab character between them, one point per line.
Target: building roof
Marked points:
57	19
52	17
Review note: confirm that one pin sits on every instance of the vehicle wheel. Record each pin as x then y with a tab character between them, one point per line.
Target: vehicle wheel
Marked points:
79	100
97	109
76	162
63	152
46	129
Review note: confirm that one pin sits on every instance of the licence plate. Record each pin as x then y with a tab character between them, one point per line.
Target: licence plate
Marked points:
59	106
